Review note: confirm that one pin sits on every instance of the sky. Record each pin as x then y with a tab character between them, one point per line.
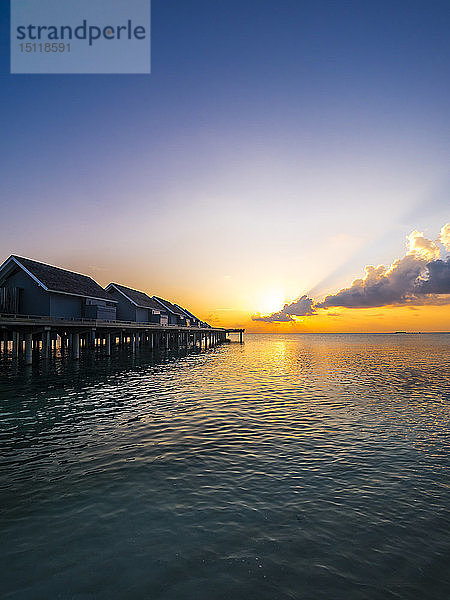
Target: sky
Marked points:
275	151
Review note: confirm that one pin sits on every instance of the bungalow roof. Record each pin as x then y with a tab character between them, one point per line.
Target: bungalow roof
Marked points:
55	279
140	299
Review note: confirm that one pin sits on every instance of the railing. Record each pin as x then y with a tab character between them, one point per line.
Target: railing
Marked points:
93	322
41	318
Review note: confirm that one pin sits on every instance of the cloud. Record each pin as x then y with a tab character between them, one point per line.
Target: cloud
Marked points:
278	317
407	280
420	247
380	286
300	308
420	277
444	236
436	279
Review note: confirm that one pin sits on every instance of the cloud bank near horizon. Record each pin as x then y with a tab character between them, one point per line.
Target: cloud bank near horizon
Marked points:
299	308
420	277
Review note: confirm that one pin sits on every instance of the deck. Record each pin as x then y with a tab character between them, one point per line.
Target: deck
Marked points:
35	335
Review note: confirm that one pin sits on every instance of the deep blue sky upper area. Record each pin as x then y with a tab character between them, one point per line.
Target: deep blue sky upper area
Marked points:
306	118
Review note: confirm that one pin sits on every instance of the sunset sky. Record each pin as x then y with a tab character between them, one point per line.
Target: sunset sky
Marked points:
275	151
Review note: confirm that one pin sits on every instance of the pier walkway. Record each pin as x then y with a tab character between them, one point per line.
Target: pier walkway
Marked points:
31	336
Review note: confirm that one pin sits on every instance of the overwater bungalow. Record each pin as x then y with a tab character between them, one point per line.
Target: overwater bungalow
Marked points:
29	287
176	315
45	308
193	320
133	305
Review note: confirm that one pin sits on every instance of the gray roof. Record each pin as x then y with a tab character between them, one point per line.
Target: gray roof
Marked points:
171	307
139	298
187	313
59	280
192	315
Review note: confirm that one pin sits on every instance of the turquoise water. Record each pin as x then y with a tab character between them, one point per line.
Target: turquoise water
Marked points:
291	467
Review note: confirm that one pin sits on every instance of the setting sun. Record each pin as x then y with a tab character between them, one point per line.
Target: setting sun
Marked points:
270	301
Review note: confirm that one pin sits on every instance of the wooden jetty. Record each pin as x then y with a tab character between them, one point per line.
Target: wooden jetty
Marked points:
41	336
44	308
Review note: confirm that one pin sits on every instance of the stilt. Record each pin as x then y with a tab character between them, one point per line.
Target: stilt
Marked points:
5	344
15	344
108	344
45	343
28	349
76	345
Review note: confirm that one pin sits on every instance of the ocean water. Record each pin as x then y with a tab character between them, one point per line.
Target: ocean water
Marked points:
290	467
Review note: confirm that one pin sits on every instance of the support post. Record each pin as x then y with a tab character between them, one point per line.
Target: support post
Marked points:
28	349
5	344
15	344
76	345
45	343
108	344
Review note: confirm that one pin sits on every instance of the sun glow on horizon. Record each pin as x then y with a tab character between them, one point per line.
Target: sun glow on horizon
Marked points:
270	301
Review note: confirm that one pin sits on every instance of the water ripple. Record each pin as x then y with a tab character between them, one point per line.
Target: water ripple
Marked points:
293	467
